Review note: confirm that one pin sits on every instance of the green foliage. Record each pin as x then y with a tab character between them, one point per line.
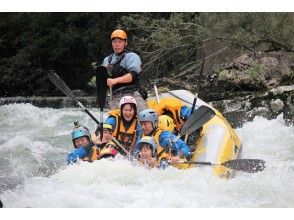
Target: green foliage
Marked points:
255	70
225	74
32	43
179	41
92	82
168	43
248	30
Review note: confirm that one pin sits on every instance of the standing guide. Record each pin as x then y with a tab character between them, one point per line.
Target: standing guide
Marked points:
124	68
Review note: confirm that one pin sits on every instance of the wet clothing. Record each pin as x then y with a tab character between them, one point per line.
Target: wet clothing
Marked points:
78	153
165	144
172	107
124	132
88	153
120	65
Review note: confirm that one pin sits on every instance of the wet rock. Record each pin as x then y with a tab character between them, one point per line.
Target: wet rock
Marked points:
236	119
53	102
255	71
277	105
282	89
290	104
237	107
243	61
261	111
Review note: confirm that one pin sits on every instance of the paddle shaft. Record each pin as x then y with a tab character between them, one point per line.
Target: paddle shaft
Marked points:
59	83
192	111
110	92
200	163
245	165
123	149
156	93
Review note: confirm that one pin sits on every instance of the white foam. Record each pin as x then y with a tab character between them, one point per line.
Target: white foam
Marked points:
120	184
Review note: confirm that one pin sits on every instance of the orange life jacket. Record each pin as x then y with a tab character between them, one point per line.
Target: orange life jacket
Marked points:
127	137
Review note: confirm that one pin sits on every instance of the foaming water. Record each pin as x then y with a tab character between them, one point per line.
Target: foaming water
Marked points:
34	172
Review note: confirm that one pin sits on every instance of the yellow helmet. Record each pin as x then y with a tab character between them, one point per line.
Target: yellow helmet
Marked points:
107	126
119	34
166	123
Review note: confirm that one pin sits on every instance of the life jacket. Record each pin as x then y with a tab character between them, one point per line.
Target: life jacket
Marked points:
170	104
94	153
107	151
161	152
116	70
125	137
97	153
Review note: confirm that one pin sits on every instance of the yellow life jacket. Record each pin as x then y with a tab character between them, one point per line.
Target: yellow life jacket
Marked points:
125	137
170	104
161	153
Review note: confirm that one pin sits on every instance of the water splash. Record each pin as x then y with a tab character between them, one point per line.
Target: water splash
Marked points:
28	153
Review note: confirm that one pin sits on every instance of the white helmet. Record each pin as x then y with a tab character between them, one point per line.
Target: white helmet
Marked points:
150	141
127	100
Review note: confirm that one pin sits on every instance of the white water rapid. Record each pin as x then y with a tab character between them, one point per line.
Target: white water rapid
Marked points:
34	143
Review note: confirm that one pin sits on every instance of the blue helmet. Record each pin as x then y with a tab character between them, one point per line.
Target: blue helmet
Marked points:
149	115
80	131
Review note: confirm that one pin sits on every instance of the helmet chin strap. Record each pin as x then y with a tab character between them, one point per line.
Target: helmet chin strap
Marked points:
153	131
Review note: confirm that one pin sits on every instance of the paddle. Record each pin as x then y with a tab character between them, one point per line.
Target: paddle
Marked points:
156	92
192	110
202	115
59	83
246	165
101	89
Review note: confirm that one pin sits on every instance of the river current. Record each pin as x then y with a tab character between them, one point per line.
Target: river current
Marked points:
34	143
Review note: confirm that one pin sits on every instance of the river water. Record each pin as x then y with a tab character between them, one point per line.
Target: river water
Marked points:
34	143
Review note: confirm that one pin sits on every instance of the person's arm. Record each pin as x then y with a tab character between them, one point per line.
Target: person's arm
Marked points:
79	153
132	63
185	112
75	155
127	78
180	147
163	164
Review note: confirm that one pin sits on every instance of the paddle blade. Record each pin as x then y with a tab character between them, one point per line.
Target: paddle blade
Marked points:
202	115
246	165
60	84
101	85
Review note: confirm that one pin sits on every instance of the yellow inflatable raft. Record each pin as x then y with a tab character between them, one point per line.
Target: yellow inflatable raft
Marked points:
218	141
